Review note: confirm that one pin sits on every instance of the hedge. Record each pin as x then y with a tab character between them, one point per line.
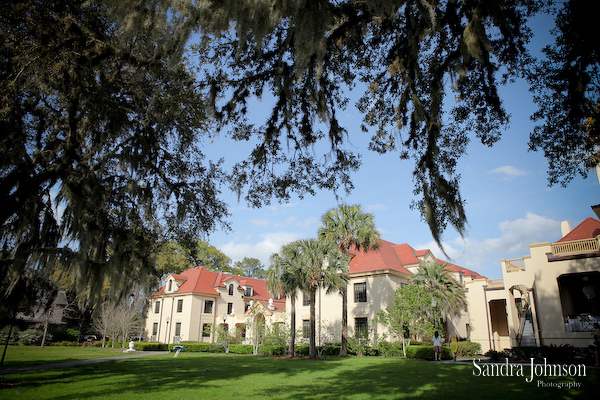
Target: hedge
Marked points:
147	346
426	352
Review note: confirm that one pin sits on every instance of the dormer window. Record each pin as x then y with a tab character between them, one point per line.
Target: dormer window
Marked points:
231	289
169	285
249	292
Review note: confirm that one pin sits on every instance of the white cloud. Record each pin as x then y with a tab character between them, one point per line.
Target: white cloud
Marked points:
509	172
270	243
484	255
260	221
376	207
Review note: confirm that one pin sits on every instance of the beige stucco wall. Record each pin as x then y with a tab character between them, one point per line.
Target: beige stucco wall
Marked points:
549	308
192	317
540	276
328	307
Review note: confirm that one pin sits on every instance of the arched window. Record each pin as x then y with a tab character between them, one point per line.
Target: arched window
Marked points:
231	289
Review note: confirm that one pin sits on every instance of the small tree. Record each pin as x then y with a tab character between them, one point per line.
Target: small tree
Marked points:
255	322
222	336
412	314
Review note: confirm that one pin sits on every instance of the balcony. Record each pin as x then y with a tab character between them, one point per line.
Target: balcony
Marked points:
575	247
514	265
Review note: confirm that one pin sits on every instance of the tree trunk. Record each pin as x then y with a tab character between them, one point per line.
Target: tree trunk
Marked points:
312	352
6	344
292	347
344	344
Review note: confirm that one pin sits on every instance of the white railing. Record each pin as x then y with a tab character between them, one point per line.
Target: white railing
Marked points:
514	265
576	247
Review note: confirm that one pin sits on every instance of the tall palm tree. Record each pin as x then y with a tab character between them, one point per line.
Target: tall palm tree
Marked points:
348	226
284	277
322	266
449	294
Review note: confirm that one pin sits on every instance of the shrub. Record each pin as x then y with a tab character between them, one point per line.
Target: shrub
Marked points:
272	350
331	350
301	350
468	349
241	348
426	352
65	344
387	349
494	355
147	346
65	335
14	335
32	336
196	347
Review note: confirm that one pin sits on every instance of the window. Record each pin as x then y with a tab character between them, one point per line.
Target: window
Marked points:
208	306
206	329
157	307
246	306
361	328
229	308
360	292
154	328
306	328
169	285
178	329
248	292
305	299
231	289
180	305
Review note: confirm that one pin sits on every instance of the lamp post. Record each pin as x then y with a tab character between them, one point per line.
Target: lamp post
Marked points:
433	304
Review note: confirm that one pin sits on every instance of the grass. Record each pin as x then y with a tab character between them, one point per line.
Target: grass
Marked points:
219	376
23	356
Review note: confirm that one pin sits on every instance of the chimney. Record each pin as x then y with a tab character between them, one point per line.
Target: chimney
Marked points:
565	227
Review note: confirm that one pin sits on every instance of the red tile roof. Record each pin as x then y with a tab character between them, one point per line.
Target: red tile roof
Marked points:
382	258
199	280
590	228
396	257
456	268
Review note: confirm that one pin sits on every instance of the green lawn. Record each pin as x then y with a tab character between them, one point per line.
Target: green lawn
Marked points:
22	356
220	376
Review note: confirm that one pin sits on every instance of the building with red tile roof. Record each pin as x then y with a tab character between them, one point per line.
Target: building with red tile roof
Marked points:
549	297
189	304
374	277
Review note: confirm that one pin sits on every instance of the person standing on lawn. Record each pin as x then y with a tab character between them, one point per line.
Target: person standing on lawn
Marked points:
437	347
454	346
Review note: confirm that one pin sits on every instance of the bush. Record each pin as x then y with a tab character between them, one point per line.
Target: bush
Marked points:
301	350
241	348
147	346
494	355
14	335
65	344
426	352
195	347
272	350
468	349
32	336
65	335
387	349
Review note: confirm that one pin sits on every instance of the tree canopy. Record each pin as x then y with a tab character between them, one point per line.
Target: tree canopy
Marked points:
103	119
105	127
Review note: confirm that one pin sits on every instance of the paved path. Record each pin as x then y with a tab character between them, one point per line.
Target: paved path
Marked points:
79	362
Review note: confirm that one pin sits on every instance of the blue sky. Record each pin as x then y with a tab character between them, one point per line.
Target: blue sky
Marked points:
509	203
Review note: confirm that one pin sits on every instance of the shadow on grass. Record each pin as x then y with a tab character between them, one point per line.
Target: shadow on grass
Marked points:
233	376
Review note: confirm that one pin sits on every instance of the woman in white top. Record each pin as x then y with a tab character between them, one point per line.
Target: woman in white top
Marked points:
437	347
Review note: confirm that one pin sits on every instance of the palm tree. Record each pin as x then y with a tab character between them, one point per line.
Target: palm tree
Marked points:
322	266
449	294
284	277
348	226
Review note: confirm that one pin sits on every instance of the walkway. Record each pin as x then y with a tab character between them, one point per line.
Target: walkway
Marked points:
78	362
